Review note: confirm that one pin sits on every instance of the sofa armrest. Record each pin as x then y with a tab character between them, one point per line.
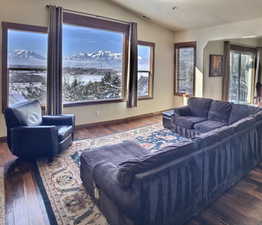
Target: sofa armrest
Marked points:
59	120
31	141
182	111
105	177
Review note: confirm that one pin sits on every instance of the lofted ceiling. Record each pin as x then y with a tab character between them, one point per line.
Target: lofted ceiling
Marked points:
190	14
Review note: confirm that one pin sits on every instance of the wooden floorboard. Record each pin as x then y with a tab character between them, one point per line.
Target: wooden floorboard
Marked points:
242	205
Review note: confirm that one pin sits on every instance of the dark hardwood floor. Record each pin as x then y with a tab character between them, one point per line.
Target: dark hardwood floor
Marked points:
242	205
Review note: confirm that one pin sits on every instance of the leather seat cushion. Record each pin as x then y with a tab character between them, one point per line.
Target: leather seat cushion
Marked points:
208	125
64	131
188	121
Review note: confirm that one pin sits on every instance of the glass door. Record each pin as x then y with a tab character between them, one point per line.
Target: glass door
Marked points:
242	75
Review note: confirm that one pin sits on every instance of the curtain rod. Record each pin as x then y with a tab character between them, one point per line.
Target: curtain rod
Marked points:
93	15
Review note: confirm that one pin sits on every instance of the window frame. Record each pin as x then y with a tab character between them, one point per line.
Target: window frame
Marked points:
151	71
177	46
5	76
242	50
100	23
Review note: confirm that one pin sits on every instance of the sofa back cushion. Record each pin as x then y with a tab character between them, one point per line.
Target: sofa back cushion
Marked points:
26	114
244	123
258	116
220	111
199	107
128	169
240	111
207	139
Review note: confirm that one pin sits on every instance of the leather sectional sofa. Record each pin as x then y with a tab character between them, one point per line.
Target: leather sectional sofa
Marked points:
132	186
202	115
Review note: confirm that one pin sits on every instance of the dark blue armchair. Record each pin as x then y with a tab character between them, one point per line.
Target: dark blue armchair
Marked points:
31	135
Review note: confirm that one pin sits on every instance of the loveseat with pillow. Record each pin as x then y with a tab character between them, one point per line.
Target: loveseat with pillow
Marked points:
202	115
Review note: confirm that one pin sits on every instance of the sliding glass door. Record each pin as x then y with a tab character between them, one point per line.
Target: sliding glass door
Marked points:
242	76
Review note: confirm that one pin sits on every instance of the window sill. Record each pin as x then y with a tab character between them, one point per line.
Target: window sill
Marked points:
75	104
145	98
184	95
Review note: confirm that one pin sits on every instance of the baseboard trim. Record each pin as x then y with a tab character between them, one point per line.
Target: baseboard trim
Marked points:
3	139
110	122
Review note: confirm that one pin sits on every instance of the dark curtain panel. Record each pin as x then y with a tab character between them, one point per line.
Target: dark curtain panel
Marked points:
54	70
226	70
132	84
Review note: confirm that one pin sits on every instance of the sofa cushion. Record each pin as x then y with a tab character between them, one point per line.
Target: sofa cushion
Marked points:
208	125
214	136
188	121
199	107
28	113
129	168
258	116
64	131
114	154
220	111
240	111
244	123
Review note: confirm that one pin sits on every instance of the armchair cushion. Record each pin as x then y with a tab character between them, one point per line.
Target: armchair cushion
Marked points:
28	114
59	120
188	121
64	131
199	107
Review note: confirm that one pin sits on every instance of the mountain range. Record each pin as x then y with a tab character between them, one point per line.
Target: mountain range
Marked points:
97	59
98	55
25	54
25	57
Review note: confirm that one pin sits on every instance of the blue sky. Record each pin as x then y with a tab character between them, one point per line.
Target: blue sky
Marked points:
82	39
75	39
20	40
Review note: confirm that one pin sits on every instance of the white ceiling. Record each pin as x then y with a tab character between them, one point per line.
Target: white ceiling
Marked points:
194	13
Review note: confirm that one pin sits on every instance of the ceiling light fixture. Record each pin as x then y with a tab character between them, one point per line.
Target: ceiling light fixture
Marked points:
146	18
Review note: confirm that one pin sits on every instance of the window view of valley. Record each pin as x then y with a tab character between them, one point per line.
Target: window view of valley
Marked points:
241	77
185	69
93	65
144	70
27	66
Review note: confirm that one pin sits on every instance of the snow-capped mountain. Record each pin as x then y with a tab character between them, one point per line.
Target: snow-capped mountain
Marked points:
98	55
97	59
25	57
25	54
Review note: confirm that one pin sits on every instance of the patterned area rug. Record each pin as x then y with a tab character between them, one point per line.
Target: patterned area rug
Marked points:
2	197
60	184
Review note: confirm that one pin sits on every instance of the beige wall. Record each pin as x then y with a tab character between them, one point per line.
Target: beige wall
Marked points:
34	12
211	87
